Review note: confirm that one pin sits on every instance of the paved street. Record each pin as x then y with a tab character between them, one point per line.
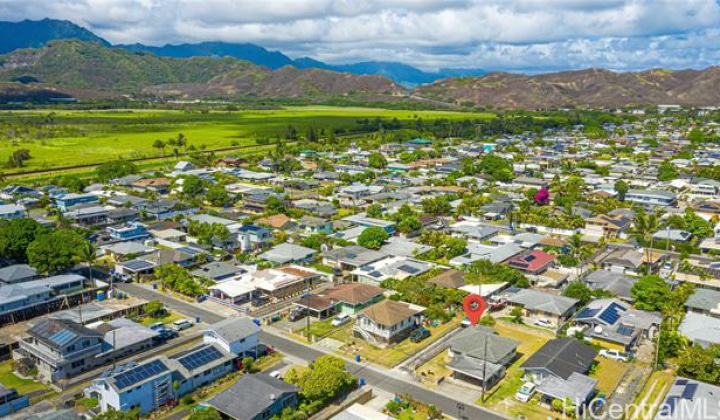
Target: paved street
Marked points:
374	376
169	301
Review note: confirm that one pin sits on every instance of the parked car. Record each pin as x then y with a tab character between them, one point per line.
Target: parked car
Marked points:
259	301
615	355
465	323
182	324
275	374
340	319
526	392
419	335
496	304
157	326
542	322
297	315
166	334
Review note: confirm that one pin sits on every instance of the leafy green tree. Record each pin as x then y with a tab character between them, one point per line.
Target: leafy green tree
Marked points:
193	186
115	169
373	237
274	205
377	160
375	211
218	196
580	291
700	363
206	233
517	313
487	272
72	183
154	308
55	251
437	206
15	237
651	293
621	188
325	379
207	413
178	279
667	172
248	363
409	225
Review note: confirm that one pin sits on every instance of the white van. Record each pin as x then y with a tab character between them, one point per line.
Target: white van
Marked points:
340	319
181	324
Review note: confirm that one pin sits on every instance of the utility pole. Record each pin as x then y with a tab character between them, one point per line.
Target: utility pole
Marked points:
484	369
114	353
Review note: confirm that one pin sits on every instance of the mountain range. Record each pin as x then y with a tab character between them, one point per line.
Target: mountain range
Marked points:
35	34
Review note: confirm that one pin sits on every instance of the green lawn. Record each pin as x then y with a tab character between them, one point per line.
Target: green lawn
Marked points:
24	386
391	356
147	321
609	373
64	138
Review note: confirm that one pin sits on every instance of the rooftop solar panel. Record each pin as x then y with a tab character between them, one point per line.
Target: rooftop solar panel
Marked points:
689	392
140	373
587	313
408	269
200	358
62	337
626	330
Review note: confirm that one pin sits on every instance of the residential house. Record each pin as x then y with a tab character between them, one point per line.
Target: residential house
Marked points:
618	284
315	225
350	298
286	253
390	268
351	257
17	273
128	232
702	301
535	262
361	219
607	226
560	358
256	397
163	380
616	325
21	296
156	185
480	356
387	322
700	329
12	211
688	399
541	305
652	198
217	271
65	201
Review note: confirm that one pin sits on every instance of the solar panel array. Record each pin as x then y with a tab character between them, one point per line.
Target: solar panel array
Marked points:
200	358
587	313
408	269
138	265
62	337
140	373
626	330
611	314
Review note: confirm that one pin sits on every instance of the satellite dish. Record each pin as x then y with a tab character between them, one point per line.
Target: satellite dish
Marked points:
324	248
598	329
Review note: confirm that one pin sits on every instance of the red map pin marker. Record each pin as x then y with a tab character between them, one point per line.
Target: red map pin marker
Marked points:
474	306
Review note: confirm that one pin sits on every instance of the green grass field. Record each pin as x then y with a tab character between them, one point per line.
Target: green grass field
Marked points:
67	138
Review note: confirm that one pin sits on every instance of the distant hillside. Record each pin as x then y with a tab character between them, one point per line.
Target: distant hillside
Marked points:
90	67
248	52
593	87
35	34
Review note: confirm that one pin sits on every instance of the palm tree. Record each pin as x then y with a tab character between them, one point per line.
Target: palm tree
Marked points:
88	255
575	245
645	225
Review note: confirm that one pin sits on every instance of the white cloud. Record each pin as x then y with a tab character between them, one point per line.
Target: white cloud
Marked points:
495	34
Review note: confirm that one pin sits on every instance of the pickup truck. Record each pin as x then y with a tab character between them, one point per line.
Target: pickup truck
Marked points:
419	335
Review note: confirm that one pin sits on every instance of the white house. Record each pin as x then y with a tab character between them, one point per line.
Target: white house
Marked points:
234	335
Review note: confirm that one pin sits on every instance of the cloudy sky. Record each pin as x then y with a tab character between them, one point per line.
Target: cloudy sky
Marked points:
515	35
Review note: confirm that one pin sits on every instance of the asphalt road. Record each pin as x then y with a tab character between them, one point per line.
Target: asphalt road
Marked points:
172	303
373	376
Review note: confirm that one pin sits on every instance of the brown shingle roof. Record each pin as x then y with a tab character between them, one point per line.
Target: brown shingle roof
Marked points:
276	221
450	278
389	312
353	293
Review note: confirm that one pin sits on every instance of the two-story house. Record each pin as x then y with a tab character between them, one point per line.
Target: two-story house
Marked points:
387	322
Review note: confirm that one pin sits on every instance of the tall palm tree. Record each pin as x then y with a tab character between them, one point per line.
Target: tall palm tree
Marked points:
645	225
88	255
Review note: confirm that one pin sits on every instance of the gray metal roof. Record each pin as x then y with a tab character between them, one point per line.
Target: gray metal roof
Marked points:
704	299
700	329
688	399
250	396
285	253
471	342
545	302
234	329
577	387
562	357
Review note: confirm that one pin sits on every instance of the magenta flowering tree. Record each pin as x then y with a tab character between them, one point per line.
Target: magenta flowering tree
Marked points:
542	197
